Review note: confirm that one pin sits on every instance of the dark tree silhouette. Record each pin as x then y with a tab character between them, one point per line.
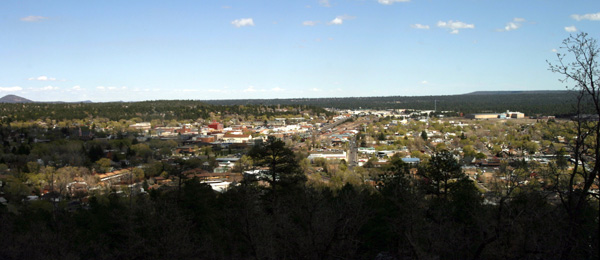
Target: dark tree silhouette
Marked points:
580	65
440	169
283	168
424	135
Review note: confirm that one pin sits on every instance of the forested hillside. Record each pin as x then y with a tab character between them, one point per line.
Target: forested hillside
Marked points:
146	110
558	103
529	102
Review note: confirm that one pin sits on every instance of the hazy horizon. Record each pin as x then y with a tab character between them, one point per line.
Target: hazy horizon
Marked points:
232	49
277	98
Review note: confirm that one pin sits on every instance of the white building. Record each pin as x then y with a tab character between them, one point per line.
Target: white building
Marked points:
328	155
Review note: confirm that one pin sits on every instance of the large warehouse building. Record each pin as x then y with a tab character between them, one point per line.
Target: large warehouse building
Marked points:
507	114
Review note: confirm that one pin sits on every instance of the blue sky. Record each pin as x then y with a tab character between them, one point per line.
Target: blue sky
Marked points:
233	49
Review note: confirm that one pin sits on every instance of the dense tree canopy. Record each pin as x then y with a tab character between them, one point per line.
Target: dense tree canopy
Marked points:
146	111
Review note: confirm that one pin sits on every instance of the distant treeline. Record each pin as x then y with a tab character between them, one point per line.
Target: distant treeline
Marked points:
146	110
559	103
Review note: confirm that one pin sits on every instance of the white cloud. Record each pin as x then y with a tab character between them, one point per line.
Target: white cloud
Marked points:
11	89
340	19
112	88
218	91
44	78
591	17
511	26
454	26
76	88
33	18
389	2
49	88
243	22
316	89
554	50
324	3
250	89
277	89
516	23
100	88
337	21
424	82
571	28
310	23
419	26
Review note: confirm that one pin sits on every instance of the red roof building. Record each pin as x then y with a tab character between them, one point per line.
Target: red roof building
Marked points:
216	125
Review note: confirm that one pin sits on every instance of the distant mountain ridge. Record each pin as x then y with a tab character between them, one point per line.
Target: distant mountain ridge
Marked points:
17	99
537	102
14	99
506	92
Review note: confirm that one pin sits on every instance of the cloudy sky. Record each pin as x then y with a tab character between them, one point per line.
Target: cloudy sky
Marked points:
232	49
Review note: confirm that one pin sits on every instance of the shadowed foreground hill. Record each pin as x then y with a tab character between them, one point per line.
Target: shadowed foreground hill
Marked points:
437	214
248	222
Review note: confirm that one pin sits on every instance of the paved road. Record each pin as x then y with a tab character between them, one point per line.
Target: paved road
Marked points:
352	154
353	147
324	128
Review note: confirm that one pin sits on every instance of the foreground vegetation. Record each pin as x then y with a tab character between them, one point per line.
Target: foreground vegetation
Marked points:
401	217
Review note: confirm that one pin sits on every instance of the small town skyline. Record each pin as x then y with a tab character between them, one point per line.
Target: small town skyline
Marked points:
232	49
